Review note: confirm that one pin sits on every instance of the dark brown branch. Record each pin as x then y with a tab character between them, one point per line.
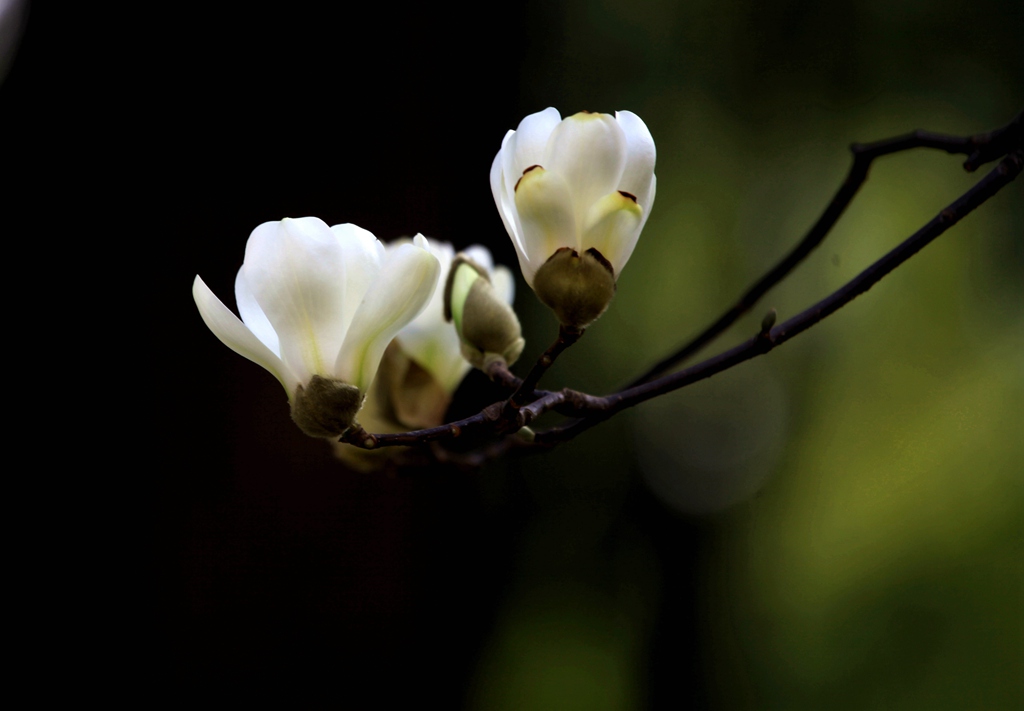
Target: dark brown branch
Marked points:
981	149
501	419
988	186
487	419
499	373
566	338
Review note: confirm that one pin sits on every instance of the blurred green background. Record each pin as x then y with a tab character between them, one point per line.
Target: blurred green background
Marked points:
839	524
860	492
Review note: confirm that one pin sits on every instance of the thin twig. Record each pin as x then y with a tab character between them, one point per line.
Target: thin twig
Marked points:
522	395
499	373
500	419
981	149
988	186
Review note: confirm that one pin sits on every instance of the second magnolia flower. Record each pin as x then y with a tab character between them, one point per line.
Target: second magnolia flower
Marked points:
318	307
574	195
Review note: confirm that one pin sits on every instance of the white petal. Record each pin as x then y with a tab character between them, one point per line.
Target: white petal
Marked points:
523	149
504	284
362	255
504	162
625	249
443	251
481	255
506	208
253	316
640	157
531	140
612	228
646	208
436	350
296	270
498	187
509	175
589	151
403	287
428	339
234	334
546	214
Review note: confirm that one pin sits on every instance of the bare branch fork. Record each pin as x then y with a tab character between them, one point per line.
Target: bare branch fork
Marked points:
525	391
980	149
526	403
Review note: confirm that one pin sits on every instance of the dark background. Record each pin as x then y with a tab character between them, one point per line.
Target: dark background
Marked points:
837	526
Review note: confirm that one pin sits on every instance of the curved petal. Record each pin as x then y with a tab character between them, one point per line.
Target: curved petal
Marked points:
589	152
403	287
431	341
444	251
625	250
640	157
531	140
507	166
506	209
612	228
498	191
646	207
545	208
481	255
234	334
362	255
437	353
504	284
429	332
253	316
296	270
457	292
522	149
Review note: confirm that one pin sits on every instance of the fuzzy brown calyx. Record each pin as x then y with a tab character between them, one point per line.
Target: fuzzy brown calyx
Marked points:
578	288
325	407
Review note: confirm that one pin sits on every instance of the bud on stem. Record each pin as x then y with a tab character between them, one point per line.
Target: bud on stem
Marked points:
488	327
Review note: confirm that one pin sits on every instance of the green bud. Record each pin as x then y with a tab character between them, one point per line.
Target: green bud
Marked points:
325	407
488	327
578	288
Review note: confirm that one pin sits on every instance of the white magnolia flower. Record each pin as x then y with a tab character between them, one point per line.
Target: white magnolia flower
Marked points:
583	183
574	195
432	341
319	305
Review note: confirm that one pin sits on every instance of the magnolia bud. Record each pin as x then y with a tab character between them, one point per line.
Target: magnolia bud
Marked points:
325	407
584	184
488	327
578	288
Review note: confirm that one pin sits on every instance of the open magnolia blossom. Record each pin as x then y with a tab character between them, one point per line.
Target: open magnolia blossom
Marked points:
574	195
319	305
